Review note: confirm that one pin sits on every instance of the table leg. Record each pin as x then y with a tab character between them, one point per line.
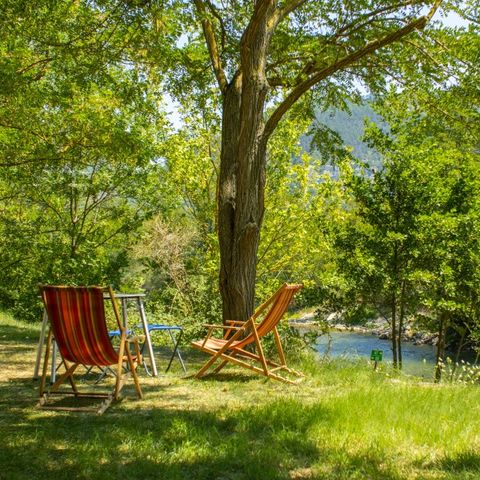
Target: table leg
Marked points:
176	350
53	371
40	345
148	341
124	313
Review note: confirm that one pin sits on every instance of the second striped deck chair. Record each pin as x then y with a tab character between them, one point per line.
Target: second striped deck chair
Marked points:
238	335
78	324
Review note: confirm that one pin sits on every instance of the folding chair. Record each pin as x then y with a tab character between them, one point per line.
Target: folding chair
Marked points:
78	324
238	335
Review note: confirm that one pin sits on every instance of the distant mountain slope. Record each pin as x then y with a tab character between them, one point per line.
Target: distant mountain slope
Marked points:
350	127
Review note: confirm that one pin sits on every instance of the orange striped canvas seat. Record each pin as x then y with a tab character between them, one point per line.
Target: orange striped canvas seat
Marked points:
238	335
214	343
78	325
77	317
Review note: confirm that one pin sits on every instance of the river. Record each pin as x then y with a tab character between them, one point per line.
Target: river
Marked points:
418	360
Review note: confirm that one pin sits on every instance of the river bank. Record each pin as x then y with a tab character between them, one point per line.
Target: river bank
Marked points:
378	327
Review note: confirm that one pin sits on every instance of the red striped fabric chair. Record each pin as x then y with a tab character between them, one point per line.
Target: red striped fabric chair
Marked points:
238	335
78	324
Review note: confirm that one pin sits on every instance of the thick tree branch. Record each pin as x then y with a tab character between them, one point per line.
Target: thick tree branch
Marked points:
263	14
219	18
348	29
343	63
212	45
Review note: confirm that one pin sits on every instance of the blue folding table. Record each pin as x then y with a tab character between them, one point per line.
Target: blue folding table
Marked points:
175	341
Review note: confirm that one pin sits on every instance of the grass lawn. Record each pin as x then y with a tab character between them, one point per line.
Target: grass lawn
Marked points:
342	422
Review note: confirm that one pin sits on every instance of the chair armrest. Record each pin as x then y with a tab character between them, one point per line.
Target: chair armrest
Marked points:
229	327
231	332
236	322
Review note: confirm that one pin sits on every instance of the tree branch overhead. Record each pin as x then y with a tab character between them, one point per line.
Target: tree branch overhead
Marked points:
317	76
212	45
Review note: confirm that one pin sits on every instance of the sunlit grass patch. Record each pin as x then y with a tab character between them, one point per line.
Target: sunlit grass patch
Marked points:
344	421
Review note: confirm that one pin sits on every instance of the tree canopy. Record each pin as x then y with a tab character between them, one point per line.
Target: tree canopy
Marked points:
96	185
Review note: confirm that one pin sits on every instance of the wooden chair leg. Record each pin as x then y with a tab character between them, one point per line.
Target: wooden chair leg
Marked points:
65	376
121	351
215	357
45	363
224	362
133	372
206	366
105	404
278	344
261	355
68	374
70	377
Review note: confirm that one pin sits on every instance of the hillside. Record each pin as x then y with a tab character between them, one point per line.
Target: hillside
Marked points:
350	126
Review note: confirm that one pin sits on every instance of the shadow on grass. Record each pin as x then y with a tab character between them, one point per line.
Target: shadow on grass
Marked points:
463	462
463	465
277	440
228	377
267	442
172	436
10	334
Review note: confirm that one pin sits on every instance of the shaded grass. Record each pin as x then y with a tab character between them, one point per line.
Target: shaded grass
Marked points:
343	422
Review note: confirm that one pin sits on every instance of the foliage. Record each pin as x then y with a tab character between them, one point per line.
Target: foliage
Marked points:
79	135
407	244
442	120
275	54
180	281
294	192
176	253
95	186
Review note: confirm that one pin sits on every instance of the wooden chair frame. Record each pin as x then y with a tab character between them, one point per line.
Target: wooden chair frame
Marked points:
239	334
126	361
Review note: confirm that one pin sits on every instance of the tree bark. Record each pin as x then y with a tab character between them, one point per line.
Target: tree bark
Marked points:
460	346
242	172
393	307
401	323
440	356
240	211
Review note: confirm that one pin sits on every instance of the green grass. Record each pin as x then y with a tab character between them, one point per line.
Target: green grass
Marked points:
342	422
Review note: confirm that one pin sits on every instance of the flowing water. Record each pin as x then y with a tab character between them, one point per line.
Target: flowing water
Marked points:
417	359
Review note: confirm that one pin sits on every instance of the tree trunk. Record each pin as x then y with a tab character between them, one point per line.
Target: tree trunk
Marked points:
440	356
245	135
394	302
401	322
393	307
460	346
242	175
240	211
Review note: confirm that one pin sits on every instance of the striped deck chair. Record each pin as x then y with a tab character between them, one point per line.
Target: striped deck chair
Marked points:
78	324
238	335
